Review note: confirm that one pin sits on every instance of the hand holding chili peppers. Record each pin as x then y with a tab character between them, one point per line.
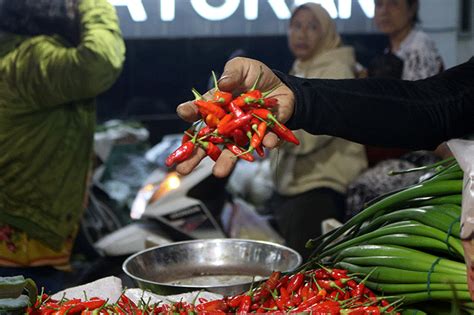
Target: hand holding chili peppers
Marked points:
237	126
248	84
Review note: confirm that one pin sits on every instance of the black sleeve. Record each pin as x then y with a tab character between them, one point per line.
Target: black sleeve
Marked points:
383	112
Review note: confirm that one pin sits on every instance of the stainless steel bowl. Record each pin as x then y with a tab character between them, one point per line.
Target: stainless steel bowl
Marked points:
224	266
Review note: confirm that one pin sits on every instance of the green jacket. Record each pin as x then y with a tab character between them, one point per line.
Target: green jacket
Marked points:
47	118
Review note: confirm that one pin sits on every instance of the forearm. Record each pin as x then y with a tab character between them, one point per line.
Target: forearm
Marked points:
392	113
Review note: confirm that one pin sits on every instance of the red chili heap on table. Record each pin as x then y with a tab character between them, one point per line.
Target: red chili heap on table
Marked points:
238	124
319	292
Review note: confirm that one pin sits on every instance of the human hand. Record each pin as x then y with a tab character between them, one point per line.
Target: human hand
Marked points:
238	77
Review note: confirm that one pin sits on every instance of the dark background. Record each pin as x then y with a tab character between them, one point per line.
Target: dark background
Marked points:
158	74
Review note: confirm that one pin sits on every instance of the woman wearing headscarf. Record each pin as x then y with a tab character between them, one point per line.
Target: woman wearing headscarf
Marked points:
311	179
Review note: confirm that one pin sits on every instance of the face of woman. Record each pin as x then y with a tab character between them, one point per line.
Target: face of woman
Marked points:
304	34
392	16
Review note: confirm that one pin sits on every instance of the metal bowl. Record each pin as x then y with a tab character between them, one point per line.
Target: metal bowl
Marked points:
224	266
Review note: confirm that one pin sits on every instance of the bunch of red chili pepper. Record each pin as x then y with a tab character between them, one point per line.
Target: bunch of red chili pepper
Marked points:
96	306
320	291
237	124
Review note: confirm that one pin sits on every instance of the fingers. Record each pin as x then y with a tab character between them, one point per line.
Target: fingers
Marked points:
271	140
224	164
234	75
188	112
222	168
286	101
186	167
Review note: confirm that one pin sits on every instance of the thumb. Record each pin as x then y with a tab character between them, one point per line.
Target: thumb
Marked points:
233	76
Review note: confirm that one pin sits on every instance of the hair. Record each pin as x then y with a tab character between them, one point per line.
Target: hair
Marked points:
411	4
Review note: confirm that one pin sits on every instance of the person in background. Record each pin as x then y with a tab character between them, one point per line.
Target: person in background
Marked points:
56	56
412	55
417	51
311	179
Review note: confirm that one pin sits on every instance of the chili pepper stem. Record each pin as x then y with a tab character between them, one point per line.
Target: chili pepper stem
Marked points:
266	93
214	78
257	81
368	275
197	95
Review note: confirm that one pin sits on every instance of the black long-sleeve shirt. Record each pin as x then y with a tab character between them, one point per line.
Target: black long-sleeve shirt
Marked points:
383	112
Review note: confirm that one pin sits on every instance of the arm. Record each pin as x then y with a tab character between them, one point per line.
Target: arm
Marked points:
309	143
49	73
417	115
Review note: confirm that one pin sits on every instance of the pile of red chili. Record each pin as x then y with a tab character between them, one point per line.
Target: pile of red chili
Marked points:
96	306
237	124
319	292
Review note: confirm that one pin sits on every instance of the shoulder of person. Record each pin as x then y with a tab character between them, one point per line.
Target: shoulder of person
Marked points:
337	63
421	41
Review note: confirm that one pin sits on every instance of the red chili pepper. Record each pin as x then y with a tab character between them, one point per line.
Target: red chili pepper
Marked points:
187	135
205	131
263	113
257	137
267	287
234	302
239	137
235	109
234	124
215	139
212	120
284	133
365	310
180	154
295	282
347	295
211	149
269	102
244	306
239	152
239	101
295	299
311	301
321	274
337	274
277	127
225	120
211	306
93	303
328	284
351	283
283	282
260	151
326	307
222	97
206	108
304	291
127	305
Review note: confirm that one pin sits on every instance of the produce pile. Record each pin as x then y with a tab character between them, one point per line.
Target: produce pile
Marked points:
45	305
238	124
408	244
319	291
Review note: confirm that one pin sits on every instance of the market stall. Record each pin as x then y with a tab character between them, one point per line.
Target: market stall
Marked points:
401	254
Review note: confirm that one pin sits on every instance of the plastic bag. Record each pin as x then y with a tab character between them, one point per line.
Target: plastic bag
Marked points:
241	220
463	151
